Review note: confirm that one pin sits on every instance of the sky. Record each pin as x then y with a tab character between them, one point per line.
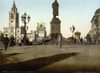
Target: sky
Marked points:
71	12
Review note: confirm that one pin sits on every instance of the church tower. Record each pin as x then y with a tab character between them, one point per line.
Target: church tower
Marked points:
13	20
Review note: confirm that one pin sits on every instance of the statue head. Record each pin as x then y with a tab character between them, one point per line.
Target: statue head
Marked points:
55	0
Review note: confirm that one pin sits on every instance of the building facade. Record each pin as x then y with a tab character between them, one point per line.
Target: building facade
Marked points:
40	32
13	29
18	32
95	28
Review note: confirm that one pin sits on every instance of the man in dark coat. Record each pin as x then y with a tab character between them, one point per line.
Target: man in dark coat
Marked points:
12	41
6	42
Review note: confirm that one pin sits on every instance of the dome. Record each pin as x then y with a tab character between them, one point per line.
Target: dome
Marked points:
97	11
77	33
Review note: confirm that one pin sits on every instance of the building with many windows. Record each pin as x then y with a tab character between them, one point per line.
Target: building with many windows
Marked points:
13	29
95	28
18	32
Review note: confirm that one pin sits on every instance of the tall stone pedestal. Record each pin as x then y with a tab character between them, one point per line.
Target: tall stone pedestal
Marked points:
55	28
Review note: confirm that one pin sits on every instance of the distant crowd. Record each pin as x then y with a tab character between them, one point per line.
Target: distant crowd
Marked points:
60	40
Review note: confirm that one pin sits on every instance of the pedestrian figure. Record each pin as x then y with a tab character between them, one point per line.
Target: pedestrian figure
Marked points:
6	42
60	40
19	42
81	40
75	40
12	41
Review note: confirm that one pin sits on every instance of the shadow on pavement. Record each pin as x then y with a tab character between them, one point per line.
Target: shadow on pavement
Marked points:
36	64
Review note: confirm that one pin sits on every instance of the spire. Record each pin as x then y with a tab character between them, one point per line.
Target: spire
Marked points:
55	0
14	6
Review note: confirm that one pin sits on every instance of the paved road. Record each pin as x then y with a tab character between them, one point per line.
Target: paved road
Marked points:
52	59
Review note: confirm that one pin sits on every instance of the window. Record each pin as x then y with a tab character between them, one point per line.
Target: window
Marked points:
18	31
12	21
6	31
12	16
12	30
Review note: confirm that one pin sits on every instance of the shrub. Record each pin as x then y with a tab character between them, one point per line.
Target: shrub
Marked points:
1	37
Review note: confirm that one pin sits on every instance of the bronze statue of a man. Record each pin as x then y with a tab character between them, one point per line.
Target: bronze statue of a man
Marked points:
55	7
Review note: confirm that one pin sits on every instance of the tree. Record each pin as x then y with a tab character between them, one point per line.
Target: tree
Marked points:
88	38
70	38
1	37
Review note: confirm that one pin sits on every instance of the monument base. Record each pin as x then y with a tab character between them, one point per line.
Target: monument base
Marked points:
54	35
55	28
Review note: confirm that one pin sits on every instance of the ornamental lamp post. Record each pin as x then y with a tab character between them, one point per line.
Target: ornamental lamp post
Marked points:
25	20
